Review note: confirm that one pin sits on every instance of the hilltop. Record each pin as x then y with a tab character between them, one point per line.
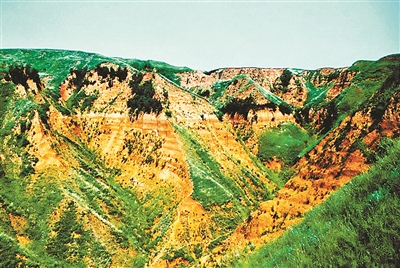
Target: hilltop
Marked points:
130	163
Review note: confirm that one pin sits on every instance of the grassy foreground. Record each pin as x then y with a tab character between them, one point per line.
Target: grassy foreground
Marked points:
357	226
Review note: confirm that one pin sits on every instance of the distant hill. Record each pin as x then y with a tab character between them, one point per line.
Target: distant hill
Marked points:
112	162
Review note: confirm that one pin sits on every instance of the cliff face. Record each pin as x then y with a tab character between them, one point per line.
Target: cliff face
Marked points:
112	162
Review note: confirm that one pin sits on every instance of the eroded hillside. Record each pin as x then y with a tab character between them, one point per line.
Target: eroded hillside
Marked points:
118	162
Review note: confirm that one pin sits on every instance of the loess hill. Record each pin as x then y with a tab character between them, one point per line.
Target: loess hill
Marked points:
129	163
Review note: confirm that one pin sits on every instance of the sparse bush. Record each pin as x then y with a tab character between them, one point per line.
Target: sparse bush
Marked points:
143	100
69	243
20	75
168	113
285	108
102	71
8	253
330	117
285	78
239	106
333	75
205	93
149	159
79	98
121	73
165	94
79	78
181	253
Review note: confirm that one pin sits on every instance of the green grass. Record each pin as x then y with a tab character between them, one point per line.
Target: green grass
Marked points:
271	175
56	64
358	226
370	89
15	174
316	95
373	79
360	65
165	69
215	191
219	88
6	93
43	197
122	202
284	142
211	186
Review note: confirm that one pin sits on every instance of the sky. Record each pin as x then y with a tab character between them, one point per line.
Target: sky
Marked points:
206	35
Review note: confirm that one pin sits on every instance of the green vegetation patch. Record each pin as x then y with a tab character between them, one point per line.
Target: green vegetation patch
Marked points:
315	95
79	98
285	78
219	88
143	100
54	64
20	75
181	253
211	186
372	88
165	69
239	106
6	93
284	142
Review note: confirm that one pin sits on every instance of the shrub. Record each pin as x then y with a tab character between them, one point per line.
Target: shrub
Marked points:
285	77
103	71
6	92
121	73
240	106
8	253
143	100
20	75
285	108
168	113
69	240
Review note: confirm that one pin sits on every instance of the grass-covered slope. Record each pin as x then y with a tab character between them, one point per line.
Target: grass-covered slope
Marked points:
284	142
358	226
53	64
372	85
57	63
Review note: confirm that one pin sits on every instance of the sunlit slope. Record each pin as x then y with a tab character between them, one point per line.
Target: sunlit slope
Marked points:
121	162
